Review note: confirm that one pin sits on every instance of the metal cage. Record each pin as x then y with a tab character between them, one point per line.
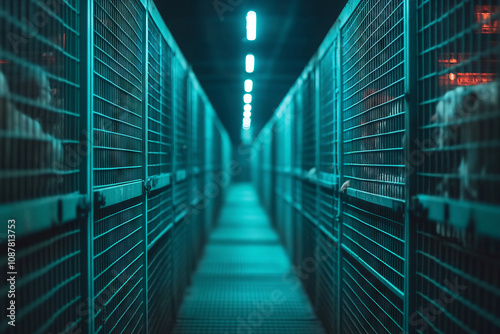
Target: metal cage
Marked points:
51	287
40	92
118	92
160	285
328	168
458	136
94	138
119	268
160	144
372	138
181	195
406	151
373	89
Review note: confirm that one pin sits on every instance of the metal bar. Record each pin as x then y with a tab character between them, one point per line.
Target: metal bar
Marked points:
145	157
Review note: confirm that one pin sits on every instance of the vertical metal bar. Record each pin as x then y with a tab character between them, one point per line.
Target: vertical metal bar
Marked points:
145	109
337	54
87	179
410	146
189	164
317	110
174	169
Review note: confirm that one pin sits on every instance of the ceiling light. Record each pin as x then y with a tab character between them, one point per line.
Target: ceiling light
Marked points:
248	85
251	26
250	63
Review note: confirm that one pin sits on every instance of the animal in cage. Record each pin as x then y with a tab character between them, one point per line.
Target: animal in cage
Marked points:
462	118
26	146
43	150
124	142
377	122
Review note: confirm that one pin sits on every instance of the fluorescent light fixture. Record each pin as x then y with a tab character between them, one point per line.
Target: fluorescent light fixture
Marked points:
247	121
248	85
250	63
246	127
248	107
247	98
247	114
251	26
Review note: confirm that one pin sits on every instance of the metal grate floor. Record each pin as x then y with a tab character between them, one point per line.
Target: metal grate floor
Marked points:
244	282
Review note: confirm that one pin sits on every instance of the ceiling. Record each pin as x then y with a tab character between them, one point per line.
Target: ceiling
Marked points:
212	37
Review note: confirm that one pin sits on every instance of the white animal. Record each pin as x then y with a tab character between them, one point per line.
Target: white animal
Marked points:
46	149
454	117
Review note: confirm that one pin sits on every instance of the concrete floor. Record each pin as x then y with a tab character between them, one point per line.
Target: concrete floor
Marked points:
243	284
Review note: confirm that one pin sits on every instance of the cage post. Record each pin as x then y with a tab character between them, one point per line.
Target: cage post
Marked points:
145	110
87	125
410	146
340	151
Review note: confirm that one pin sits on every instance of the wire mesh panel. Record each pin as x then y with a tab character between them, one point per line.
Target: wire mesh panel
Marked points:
307	261
181	262
119	268
367	306
160	285
376	235
181	139
328	169
118	72
160	212
373	129
457	287
197	137
160	104
327	284
197	176
328	160
308	195
309	145
458	89
48	291
458	134
197	132
373	89
40	99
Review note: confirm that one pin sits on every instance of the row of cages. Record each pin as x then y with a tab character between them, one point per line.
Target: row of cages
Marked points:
112	170
380	169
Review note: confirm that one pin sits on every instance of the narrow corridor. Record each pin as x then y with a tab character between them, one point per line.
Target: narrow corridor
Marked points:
244	283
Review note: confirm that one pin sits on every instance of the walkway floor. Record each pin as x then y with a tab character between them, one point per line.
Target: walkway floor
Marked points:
242	284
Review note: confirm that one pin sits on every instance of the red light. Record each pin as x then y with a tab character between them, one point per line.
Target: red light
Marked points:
484	17
466	79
